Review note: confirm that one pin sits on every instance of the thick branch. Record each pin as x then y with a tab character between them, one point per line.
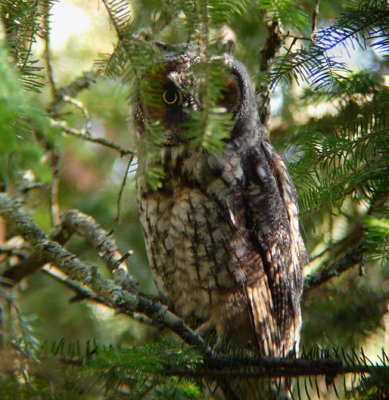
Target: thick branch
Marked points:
353	257
113	294
74	221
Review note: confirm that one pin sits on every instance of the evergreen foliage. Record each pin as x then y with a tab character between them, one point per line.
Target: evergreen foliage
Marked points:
333	127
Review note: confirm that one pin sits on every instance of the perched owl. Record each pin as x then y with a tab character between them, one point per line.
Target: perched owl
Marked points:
221	230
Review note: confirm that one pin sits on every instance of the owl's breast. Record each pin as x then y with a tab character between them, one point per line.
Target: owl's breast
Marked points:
187	233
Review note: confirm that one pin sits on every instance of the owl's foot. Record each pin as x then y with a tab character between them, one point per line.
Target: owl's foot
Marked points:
205	328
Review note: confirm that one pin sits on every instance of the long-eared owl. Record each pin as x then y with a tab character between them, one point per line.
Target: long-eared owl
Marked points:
221	228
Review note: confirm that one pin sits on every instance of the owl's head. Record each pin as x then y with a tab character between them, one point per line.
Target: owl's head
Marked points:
185	87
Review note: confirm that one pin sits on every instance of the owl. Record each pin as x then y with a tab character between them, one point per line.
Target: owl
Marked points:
221	228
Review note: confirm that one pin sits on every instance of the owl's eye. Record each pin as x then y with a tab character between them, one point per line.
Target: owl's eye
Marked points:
170	96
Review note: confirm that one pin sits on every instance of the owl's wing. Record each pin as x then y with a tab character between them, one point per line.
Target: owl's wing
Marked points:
275	252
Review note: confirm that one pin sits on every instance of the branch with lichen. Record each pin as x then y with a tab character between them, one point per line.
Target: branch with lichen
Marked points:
111	292
73	221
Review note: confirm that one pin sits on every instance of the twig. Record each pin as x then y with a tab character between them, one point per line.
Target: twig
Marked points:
81	293
338	248
82	135
314	18
122	189
353	257
85	81
81	107
54	187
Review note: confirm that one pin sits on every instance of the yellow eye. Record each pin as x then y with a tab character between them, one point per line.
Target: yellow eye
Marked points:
170	97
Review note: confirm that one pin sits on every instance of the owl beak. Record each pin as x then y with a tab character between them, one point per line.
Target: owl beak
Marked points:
192	105
171	138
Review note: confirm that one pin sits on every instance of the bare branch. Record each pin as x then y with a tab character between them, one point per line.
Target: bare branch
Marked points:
47	53
338	248
81	293
80	106
73	221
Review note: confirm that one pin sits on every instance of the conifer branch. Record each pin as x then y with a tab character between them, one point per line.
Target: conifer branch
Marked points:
119	14
279	368
365	25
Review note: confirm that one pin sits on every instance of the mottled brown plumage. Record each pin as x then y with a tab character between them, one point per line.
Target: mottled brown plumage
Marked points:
221	231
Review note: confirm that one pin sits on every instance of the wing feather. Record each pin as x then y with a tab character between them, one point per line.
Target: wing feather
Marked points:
275	252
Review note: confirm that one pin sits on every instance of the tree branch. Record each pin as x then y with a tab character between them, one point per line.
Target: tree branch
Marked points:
85	81
110	292
73	221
